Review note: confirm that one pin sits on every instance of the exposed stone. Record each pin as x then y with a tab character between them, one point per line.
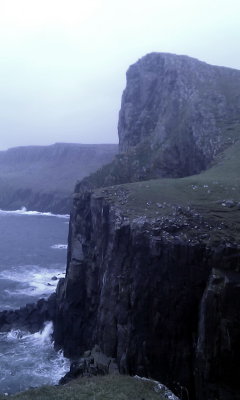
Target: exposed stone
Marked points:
137	293
92	363
31	317
229	203
218	346
139	287
178	110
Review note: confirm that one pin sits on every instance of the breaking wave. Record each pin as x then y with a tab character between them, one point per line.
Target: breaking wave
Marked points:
29	360
24	211
59	246
34	280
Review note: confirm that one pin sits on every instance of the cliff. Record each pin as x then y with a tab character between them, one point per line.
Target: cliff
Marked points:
153	266
184	110
153	269
177	114
43	177
153	278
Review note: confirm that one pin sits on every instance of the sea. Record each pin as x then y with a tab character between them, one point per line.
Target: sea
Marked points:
33	247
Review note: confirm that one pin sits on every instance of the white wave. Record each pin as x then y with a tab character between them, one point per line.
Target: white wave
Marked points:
34	280
46	334
59	246
30	360
14	335
23	211
42	337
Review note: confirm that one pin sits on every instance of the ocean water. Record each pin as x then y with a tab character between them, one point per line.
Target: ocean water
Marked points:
33	249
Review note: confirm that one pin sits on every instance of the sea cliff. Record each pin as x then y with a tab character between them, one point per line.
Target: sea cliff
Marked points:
153	266
153	294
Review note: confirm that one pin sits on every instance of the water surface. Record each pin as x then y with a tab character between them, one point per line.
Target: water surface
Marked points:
32	259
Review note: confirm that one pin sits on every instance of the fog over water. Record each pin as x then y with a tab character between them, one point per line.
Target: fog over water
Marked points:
63	62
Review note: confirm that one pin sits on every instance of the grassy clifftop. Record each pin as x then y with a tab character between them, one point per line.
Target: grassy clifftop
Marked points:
214	194
98	388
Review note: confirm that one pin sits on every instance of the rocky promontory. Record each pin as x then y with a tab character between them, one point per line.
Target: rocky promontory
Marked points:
153	266
177	115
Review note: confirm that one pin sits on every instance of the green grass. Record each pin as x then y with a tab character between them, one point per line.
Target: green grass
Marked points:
204	193
108	387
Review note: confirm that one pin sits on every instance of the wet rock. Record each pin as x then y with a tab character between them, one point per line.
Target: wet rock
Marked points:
218	346
93	363
32	317
229	203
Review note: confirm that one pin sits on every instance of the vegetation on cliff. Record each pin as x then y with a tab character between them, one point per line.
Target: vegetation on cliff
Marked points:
177	115
214	194
98	388
153	255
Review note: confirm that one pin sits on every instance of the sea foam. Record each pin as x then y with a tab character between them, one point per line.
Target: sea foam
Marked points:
35	280
29	360
24	211
59	246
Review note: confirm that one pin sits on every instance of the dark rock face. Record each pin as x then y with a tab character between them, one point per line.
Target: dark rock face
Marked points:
93	363
160	298
144	298
177	114
31	317
181	110
218	350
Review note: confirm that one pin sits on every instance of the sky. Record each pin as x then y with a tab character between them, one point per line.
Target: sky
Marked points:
63	62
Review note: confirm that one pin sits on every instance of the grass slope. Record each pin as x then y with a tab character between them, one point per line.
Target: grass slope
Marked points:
208	193
98	388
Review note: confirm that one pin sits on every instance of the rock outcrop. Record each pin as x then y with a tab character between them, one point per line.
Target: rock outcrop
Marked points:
153	267
156	285
92	363
142	290
218	350
180	111
30	318
177	114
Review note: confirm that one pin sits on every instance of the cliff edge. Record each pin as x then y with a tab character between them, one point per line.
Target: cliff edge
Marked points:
177	115
153	266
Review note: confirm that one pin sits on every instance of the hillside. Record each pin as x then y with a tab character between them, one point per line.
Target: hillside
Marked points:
214	193
43	177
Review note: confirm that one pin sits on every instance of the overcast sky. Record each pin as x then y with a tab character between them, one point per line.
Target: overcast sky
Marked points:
63	62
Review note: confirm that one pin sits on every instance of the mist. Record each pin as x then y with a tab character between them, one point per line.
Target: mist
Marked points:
63	63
